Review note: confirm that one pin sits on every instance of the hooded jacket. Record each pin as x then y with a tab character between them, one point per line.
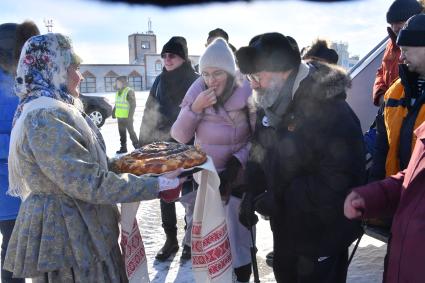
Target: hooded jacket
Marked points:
309	161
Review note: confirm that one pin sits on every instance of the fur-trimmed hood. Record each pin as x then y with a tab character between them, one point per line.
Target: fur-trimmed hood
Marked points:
328	80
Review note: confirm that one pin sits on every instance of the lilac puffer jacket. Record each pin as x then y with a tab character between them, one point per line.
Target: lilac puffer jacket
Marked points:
220	134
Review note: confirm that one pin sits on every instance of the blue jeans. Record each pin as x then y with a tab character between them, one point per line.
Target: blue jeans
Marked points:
6	228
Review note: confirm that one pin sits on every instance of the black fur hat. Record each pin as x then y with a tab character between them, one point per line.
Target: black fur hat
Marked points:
413	33
402	10
176	45
271	52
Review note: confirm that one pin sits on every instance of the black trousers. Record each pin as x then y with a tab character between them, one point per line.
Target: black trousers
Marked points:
168	210
169	218
6	228
293	268
124	125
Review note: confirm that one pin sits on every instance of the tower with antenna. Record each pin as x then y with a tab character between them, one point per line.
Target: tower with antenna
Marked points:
150	27
140	44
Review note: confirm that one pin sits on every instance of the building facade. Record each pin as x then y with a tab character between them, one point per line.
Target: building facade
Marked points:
345	60
145	64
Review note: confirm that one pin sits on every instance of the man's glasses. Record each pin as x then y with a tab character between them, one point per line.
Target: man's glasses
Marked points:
253	78
217	75
169	55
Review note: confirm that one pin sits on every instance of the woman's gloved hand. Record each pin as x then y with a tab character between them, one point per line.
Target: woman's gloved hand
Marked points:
228	177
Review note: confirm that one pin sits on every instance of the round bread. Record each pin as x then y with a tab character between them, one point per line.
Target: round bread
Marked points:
160	157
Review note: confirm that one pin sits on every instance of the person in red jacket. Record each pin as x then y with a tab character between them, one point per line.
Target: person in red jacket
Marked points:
397	15
402	195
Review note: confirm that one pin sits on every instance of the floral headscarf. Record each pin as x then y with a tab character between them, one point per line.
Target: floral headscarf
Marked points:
42	69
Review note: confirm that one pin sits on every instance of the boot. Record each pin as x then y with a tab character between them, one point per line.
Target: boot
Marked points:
186	253
123	149
269	259
170	247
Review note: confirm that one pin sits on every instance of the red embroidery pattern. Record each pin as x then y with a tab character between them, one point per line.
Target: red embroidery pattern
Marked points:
211	252
133	249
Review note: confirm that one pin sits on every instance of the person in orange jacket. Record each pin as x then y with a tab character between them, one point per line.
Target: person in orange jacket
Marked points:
397	15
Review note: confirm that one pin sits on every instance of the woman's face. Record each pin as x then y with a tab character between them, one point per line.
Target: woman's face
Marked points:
215	78
74	79
172	61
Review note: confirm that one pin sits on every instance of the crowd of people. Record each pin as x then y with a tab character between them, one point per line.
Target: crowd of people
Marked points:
275	122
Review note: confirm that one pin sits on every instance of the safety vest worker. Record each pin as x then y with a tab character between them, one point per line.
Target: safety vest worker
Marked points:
122	107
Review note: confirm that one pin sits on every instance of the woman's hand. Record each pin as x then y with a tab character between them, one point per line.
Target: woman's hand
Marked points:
354	206
205	99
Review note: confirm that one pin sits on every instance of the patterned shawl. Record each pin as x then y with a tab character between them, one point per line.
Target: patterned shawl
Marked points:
42	69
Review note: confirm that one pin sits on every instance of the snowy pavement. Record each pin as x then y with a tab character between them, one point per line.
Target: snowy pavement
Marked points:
367	265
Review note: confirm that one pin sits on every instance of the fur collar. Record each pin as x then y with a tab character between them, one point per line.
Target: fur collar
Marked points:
325	80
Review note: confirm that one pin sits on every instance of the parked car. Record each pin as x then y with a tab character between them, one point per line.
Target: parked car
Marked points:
97	108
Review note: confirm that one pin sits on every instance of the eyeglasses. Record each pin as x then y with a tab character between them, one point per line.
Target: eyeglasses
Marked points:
217	75
169	55
253	78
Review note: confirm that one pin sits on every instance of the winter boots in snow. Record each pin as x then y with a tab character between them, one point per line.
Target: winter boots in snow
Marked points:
123	149
170	247
186	253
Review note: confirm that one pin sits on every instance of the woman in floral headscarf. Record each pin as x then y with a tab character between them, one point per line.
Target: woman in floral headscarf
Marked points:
67	227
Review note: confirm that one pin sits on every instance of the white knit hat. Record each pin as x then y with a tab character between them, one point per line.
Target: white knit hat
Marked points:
218	55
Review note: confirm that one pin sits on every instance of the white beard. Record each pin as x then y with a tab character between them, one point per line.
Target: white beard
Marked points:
266	98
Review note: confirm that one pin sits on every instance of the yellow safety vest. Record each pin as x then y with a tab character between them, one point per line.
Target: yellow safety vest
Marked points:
394	113
122	107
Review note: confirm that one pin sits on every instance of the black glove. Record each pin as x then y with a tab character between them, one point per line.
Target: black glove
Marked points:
113	113
228	176
265	204
255	178
247	215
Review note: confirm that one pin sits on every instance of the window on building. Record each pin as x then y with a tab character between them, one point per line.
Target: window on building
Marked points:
158	66
145	45
135	82
110	84
88	84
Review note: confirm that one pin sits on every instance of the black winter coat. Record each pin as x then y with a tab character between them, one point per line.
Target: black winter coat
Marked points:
163	104
309	162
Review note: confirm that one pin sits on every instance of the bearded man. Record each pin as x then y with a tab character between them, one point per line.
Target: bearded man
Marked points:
307	152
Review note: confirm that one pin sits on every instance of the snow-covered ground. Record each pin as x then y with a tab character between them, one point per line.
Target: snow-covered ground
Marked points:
367	265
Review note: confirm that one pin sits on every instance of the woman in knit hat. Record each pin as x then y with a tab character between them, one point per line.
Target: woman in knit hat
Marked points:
161	110
215	111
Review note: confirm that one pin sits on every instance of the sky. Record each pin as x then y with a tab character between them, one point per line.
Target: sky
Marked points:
100	30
